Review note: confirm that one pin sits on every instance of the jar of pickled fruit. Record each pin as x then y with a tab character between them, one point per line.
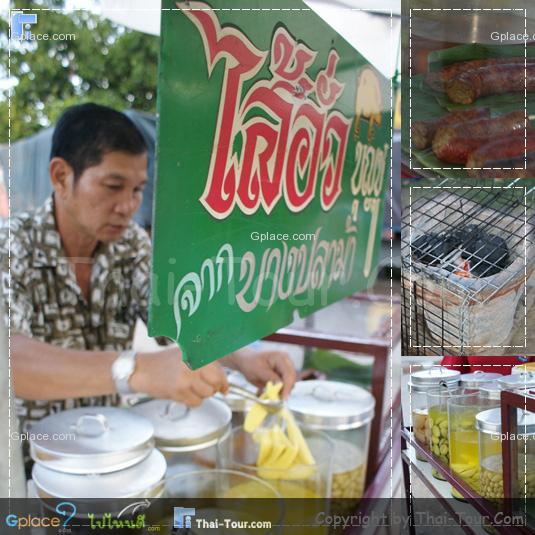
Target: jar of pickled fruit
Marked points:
463	436
344	412
489	425
437	423
420	383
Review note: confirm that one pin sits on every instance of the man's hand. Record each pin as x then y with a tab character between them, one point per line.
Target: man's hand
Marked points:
259	367
163	375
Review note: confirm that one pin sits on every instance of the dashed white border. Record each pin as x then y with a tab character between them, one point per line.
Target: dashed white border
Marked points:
525	92
416	365
525	346
394	60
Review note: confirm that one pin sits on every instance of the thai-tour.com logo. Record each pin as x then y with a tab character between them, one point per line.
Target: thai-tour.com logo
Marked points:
21	29
182	517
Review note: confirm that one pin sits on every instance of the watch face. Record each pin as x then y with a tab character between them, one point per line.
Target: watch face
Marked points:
124	367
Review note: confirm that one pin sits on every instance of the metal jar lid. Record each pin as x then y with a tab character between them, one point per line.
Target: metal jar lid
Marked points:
235	402
490	421
491	390
423	380
140	481
331	405
91	440
518	380
477	378
523	368
178	428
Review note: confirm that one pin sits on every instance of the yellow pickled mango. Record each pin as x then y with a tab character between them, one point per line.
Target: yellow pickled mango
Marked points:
256	416
296	437
264	440
280	455
277	446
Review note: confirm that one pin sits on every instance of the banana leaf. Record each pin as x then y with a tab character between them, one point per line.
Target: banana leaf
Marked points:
428	104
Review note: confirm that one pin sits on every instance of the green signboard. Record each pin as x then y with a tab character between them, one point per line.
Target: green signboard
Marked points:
273	160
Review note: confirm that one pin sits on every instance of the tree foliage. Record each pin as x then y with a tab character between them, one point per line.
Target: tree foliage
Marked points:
105	63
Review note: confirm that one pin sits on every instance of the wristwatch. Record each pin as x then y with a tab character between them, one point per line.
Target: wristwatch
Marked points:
122	369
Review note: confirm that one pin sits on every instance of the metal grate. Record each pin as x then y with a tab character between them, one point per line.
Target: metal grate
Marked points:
468	255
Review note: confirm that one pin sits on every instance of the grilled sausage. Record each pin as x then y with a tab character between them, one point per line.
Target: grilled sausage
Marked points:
437	80
424	131
493	80
453	144
502	152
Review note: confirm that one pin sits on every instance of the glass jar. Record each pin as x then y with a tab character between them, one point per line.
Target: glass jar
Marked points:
239	451
344	412
420	383
463	436
438	428
489	425
187	436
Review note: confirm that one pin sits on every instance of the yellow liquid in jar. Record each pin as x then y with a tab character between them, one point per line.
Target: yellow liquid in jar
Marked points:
464	456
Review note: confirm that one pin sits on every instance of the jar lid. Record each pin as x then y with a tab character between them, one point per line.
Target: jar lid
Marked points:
331	405
91	440
490	421
492	390
518	380
136	481
422	380
184	428
235	402
475	379
522	368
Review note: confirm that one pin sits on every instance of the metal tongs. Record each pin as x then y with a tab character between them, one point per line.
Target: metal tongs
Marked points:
269	404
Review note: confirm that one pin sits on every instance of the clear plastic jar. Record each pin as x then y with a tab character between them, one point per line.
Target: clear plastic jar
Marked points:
438	427
421	382
489	426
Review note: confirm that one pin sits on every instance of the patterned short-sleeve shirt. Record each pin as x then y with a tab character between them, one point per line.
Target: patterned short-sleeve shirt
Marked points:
46	302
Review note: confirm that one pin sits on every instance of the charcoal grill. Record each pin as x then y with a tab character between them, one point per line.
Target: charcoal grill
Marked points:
468	262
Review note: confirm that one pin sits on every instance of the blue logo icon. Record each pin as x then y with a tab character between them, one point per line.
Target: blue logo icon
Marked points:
21	24
183	516
67	509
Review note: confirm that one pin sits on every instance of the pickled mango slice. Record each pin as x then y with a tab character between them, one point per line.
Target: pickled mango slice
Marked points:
295	435
263	438
281	455
256	416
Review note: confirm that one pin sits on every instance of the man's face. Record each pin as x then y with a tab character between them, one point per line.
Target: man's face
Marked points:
107	195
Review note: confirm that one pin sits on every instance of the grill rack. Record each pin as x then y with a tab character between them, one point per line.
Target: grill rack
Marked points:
441	309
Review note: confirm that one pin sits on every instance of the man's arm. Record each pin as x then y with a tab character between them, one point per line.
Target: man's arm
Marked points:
44	371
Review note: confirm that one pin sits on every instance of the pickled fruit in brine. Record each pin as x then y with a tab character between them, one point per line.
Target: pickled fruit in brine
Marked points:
419	426
491	480
464	456
438	437
349	471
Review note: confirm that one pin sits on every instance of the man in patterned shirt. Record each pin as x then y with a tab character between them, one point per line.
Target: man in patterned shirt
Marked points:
80	270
